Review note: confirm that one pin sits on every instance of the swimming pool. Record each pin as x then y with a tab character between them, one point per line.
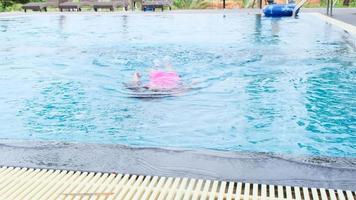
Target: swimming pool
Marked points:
263	85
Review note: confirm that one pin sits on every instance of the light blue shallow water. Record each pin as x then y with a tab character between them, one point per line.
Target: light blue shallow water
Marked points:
265	85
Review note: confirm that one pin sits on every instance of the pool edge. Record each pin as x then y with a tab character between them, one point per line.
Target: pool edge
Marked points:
340	24
263	168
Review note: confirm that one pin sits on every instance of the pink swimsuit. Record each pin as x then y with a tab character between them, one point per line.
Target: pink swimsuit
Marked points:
163	80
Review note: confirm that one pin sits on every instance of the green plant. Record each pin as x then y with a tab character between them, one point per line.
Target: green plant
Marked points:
12	5
246	3
191	4
5	3
337	4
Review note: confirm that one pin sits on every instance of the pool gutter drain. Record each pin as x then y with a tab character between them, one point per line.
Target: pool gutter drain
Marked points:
30	183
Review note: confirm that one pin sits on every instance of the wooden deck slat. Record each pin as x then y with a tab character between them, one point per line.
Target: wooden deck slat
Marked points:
230	191
61	185
11	182
19	194
111	186
306	193
149	189
323	194
289	192
205	192
298	195
50	185
238	192
126	188
332	194
255	192
280	192
315	194
188	191
264	192
213	190
197	190
9	174
86	186
142	189
76	188
340	194
39	185
349	195
3	170
181	189
70	185
93	189
134	188
19	186
271	192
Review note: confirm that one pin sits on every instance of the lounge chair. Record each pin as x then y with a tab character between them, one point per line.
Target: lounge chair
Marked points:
70	5
111	5
153	4
39	6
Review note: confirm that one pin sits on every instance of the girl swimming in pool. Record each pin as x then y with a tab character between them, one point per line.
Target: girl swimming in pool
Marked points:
159	79
162	80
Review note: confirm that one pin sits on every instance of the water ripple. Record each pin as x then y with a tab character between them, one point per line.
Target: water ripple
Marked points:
255	84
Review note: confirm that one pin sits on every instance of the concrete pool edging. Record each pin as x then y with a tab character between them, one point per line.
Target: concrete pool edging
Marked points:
340	24
265	168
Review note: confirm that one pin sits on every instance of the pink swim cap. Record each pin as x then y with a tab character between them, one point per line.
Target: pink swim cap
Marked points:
165	80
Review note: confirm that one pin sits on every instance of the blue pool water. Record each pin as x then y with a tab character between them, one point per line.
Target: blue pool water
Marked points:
263	85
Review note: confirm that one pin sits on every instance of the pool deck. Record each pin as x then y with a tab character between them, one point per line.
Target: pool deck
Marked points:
347	15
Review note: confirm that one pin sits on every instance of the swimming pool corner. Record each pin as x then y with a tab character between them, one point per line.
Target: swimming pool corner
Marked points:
338	23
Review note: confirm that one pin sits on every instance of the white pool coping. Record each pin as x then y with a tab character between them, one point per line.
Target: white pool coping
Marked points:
345	26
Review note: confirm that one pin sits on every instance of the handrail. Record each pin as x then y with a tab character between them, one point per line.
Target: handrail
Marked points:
298	6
